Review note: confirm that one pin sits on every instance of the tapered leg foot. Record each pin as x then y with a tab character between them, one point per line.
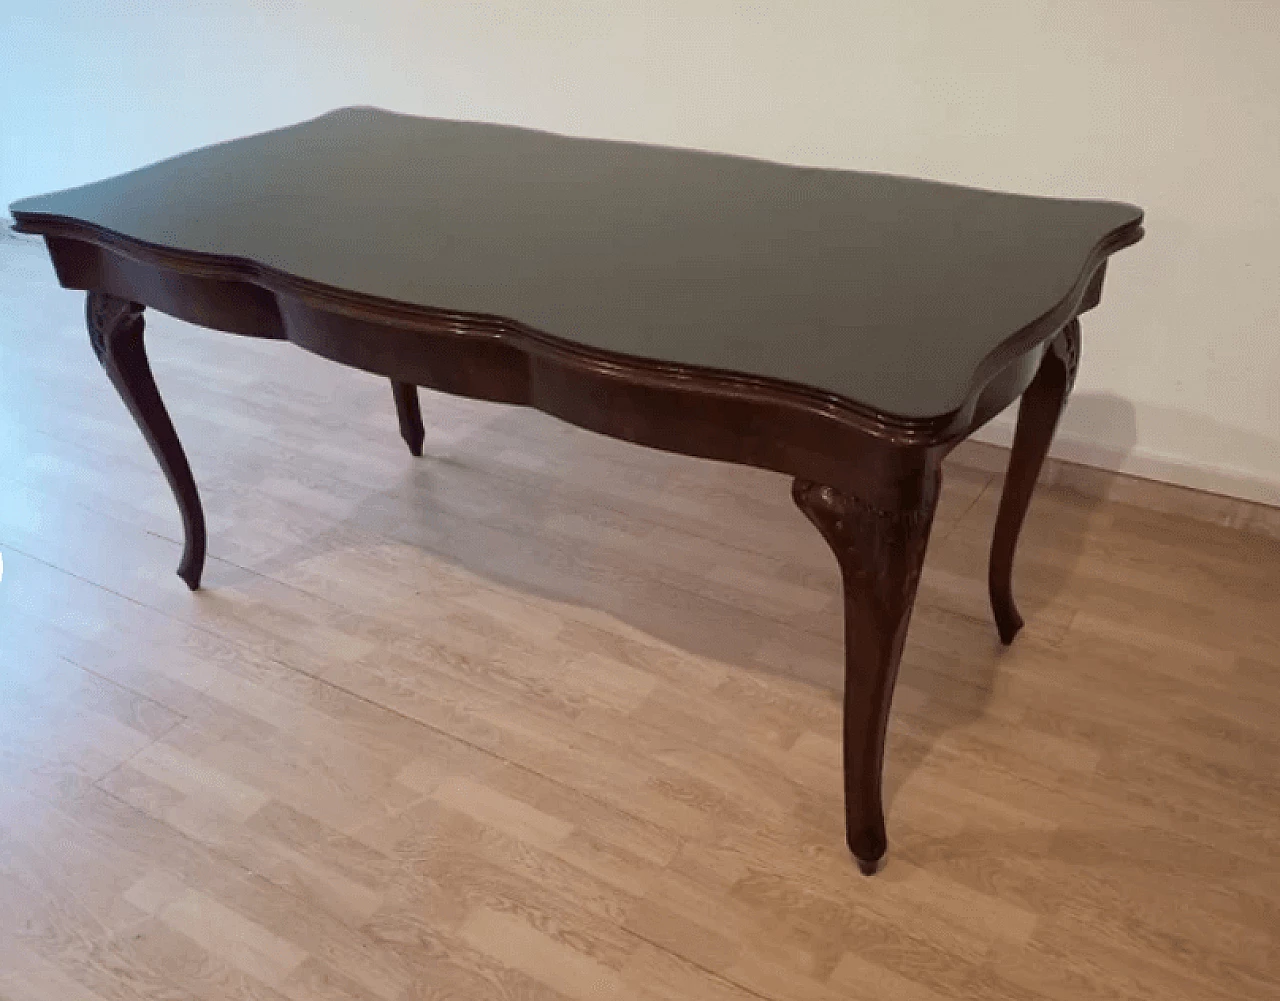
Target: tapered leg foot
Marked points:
870	866
1038	413
410	415
115	332
880	554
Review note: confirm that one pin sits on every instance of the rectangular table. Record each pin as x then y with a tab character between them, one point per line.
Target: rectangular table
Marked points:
847	329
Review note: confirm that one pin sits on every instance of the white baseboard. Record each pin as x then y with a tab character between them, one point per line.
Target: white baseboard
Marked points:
1155	491
1149	464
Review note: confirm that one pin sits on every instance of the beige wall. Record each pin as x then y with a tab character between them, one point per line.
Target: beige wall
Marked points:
1173	104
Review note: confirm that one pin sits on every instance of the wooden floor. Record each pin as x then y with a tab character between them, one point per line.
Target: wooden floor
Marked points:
543	715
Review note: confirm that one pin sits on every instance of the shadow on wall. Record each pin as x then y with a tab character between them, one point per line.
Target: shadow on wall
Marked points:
1102	417
1242	463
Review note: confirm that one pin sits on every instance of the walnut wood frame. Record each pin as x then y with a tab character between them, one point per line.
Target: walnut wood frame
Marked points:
869	481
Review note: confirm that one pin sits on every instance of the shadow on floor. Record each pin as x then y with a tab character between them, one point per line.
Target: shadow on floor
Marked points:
517	538
953	657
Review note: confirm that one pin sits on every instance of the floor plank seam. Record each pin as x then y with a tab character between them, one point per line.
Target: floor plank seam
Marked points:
718	977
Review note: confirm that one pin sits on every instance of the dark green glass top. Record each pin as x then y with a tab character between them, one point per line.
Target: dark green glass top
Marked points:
884	290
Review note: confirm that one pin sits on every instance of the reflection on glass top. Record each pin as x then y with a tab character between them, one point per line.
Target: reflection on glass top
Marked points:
883	290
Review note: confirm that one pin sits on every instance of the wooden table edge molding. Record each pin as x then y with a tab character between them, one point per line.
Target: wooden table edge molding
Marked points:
868	480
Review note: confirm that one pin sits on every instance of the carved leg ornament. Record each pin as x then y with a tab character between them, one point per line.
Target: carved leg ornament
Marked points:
406	394
115	331
1042	404
880	555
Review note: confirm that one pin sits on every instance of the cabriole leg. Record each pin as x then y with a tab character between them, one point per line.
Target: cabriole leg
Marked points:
880	555
115	331
1042	404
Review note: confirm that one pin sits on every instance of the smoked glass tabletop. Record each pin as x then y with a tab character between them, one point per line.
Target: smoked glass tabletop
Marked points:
885	291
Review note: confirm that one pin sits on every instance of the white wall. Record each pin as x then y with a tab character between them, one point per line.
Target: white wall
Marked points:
1172	104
